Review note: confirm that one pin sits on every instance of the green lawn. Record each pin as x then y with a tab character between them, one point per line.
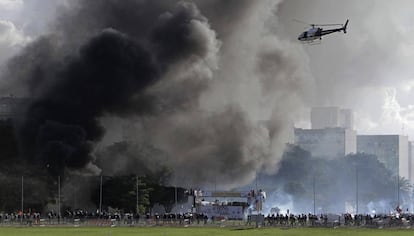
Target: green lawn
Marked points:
166	231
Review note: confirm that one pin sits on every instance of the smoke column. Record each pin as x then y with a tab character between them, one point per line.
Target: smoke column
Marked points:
194	80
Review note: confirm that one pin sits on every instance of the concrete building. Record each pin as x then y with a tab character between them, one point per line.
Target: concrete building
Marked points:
346	119
411	161
331	117
324	117
391	150
326	143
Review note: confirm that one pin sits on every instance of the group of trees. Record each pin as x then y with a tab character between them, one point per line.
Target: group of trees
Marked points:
77	191
84	192
121	192
357	179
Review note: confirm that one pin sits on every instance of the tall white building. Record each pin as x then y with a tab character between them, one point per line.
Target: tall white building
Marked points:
326	143
346	119
391	150
411	161
332	133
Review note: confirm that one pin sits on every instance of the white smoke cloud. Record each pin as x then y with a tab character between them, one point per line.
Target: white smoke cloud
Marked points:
22	21
11	36
11	5
11	40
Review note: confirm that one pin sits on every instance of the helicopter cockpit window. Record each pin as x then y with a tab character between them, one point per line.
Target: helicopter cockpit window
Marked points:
312	31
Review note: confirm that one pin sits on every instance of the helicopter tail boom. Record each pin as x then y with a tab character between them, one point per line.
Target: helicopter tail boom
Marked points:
344	28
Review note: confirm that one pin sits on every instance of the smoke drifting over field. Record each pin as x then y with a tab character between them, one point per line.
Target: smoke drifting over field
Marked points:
189	81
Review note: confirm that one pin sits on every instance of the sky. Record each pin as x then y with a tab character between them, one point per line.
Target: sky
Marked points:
249	59
369	69
21	22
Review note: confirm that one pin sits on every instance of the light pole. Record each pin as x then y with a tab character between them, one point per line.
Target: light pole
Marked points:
21	219
59	198
398	191
100	197
314	197
137	193
356	189
75	190
175	194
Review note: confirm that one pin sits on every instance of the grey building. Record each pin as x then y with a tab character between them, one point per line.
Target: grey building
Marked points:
331	117
326	143
411	161
391	150
346	118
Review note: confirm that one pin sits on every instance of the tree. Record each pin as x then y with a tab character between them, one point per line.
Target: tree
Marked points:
120	192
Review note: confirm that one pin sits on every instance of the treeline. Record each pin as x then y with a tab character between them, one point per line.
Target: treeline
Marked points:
336	185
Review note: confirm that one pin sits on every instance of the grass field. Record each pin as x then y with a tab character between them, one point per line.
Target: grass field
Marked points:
166	231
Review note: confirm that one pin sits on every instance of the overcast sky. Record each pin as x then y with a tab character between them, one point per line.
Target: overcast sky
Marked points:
369	69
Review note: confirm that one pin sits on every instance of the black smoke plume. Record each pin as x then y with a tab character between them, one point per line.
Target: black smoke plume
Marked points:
107	74
188	80
62	124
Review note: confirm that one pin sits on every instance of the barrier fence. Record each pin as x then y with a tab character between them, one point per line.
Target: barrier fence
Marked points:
131	220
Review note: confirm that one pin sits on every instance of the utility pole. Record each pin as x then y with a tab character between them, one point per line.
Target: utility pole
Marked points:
175	194
215	183
21	218
398	190
356	190
75	190
100	197
59	198
314	197
256	183
137	193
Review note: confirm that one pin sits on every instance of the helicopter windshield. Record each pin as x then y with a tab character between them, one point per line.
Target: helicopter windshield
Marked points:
312	31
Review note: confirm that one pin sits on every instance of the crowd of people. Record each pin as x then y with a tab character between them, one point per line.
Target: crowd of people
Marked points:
335	220
102	218
83	217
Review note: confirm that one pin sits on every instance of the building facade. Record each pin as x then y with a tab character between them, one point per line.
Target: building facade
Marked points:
391	150
410	161
331	117
328	143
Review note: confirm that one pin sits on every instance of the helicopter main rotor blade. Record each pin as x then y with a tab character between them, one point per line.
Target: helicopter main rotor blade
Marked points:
328	25
299	21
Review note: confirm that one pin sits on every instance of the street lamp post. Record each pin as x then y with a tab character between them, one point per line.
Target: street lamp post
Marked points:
356	190
22	202
59	199
100	197
137	193
314	197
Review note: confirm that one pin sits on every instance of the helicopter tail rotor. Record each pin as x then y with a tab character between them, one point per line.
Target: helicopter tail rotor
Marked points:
344	28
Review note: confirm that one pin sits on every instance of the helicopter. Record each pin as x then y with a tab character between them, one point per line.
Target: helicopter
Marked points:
316	32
